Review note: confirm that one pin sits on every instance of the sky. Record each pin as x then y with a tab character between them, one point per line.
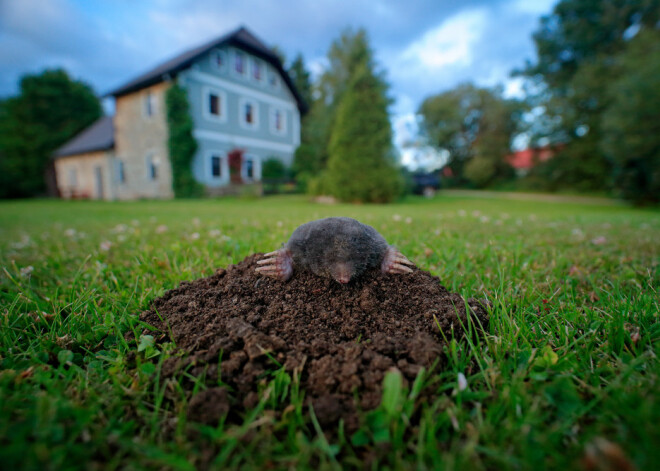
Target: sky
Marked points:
425	47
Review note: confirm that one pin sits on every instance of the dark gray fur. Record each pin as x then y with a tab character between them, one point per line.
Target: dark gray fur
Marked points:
323	244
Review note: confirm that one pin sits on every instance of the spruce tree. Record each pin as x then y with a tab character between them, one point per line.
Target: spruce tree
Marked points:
361	166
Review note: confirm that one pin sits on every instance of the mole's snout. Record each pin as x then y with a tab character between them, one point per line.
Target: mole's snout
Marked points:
342	272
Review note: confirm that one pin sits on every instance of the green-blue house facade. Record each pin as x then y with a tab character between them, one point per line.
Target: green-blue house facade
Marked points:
241	101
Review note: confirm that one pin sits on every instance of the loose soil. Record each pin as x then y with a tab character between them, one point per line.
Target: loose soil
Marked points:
338	339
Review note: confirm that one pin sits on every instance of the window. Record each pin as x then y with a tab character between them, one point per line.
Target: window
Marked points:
216	166
273	80
249	113
152	167
277	121
73	177
121	171
256	70
149	104
218	59
214	104
239	63
248	168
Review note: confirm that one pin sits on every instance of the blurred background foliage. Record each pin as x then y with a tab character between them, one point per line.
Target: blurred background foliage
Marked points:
592	97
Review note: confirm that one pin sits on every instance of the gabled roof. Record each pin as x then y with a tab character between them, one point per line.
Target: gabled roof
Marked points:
240	38
99	136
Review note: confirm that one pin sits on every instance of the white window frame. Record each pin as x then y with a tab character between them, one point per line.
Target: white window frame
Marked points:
214	62
206	112
149	101
256	168
272	117
254	125
224	166
246	66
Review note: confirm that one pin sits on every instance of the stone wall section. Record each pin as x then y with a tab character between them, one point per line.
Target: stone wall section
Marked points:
86	176
140	139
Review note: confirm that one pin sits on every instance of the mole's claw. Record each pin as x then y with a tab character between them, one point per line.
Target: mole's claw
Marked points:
402	259
267	260
279	265
395	262
398	268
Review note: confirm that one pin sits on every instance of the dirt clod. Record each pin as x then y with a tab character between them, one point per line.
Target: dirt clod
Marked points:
336	338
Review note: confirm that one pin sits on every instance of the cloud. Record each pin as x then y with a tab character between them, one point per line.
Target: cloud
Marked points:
450	44
426	46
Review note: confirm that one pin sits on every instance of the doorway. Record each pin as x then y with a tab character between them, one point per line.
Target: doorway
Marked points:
98	178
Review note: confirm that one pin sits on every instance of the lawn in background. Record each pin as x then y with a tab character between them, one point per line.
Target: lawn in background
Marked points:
567	375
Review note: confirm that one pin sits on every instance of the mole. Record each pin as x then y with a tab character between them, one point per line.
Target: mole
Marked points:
340	248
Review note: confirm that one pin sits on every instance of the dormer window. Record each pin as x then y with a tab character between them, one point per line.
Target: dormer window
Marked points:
239	63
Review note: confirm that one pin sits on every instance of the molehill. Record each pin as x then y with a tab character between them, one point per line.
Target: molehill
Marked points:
338	339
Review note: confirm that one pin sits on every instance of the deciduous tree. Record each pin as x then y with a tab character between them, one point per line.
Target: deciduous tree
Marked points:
50	109
476	125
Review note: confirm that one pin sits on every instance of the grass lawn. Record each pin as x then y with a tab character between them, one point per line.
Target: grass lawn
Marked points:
567	375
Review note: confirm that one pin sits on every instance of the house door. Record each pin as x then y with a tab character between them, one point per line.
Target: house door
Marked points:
98	179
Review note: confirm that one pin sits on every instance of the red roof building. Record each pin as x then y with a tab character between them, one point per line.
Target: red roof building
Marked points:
524	160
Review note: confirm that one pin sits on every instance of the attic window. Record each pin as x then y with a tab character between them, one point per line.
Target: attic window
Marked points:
239	63
218	59
272	80
256	70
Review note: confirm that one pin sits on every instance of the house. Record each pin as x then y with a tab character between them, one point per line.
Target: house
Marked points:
524	160
241	100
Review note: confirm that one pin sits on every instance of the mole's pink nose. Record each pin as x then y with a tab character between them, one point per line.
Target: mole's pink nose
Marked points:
342	272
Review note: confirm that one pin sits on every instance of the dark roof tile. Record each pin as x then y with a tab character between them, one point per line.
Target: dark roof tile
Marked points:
98	136
241	38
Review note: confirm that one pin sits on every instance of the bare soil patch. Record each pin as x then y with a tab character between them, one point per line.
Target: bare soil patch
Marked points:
338	339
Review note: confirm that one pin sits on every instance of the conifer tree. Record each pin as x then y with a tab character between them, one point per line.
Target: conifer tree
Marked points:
361	166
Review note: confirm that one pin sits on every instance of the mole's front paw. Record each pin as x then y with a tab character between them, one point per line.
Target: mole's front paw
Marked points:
278	264
395	262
